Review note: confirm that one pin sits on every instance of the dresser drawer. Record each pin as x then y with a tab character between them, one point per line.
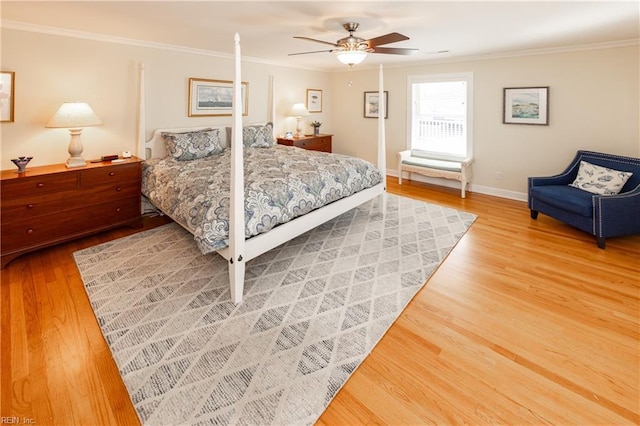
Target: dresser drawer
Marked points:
60	226
313	143
113	174
317	145
40	204
16	188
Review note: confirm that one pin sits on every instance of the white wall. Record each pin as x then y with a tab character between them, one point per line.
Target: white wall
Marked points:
594	102
594	105
51	69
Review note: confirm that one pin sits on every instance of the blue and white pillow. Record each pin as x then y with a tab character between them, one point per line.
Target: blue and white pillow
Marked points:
193	145
600	180
258	136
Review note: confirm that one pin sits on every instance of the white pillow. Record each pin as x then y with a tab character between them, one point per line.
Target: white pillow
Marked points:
600	180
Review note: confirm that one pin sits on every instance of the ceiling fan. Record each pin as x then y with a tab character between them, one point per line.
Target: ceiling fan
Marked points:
352	50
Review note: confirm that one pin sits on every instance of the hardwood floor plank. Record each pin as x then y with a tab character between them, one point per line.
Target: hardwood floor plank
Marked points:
526	322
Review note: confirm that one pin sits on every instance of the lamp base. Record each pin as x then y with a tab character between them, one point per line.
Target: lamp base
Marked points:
75	162
298	128
75	150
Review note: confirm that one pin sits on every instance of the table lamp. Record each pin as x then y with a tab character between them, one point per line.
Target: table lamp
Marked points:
74	116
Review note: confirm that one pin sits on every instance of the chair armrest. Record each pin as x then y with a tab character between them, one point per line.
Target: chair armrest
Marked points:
617	214
467	161
561	179
564	178
403	155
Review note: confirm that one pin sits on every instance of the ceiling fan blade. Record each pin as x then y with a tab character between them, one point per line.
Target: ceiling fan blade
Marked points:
314	51
395	50
317	41
386	39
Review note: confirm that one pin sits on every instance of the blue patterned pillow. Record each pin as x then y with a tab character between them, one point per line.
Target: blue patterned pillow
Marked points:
600	180
258	136
192	145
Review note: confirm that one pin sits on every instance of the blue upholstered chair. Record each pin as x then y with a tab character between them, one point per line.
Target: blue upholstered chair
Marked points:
601	215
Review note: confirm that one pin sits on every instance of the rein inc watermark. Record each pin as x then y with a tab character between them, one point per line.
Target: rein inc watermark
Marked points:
17	421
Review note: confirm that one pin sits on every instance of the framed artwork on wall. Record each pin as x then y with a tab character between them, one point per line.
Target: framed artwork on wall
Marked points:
214	97
7	90
372	104
314	100
526	105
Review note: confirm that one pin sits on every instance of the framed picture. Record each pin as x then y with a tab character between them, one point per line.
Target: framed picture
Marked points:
372	104
214	97
526	105
314	100
7	89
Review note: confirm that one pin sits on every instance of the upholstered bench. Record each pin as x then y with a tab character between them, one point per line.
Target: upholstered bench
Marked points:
431	167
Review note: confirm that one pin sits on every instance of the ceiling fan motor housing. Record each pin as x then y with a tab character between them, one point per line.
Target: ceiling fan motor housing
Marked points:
352	43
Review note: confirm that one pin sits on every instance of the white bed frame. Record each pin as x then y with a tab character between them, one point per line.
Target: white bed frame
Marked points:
241	250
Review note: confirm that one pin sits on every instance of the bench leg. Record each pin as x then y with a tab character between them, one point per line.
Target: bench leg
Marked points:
463	187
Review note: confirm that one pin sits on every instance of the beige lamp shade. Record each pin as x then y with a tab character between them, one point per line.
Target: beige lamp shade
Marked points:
74	116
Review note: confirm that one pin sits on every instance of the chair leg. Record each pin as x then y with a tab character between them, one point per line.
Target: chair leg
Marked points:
534	214
601	242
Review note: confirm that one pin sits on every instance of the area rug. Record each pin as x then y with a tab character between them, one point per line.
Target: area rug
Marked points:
313	309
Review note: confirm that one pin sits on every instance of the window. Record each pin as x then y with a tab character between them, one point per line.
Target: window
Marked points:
440	115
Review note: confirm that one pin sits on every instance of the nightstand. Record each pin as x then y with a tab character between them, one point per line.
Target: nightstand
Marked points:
314	143
48	205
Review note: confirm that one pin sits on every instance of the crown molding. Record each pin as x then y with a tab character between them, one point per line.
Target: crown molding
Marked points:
520	53
62	32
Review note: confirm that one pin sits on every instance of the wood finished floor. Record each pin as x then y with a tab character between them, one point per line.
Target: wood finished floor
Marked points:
526	322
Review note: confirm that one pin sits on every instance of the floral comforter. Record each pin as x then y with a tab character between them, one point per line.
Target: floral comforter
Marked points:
281	183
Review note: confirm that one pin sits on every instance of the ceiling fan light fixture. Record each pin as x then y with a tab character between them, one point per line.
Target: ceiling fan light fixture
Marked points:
351	57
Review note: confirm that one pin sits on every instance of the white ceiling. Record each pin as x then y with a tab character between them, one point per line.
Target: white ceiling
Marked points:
471	28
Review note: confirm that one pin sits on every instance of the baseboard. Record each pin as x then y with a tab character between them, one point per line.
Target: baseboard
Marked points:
449	183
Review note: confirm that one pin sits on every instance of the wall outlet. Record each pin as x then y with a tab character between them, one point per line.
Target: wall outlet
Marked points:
498	175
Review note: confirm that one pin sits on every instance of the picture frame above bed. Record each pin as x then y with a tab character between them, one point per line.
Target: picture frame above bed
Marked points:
209	98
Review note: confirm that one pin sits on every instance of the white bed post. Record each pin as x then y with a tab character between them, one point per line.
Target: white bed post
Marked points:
382	149
142	124
236	212
272	104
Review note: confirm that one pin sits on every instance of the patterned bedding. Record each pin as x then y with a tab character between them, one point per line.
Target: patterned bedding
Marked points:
281	183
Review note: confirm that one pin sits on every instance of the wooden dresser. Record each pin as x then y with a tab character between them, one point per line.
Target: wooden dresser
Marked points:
51	204
314	143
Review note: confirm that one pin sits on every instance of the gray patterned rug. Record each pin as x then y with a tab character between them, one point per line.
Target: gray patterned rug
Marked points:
313	309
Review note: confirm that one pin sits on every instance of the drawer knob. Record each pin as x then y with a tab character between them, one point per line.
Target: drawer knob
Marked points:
112	173
40	185
118	209
118	189
30	231
30	206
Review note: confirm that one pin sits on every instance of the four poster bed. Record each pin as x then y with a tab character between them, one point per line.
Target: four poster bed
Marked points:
269	194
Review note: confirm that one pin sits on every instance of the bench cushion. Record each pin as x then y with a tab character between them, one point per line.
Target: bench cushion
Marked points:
429	163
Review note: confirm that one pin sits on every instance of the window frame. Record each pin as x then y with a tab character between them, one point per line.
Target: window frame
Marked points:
434	78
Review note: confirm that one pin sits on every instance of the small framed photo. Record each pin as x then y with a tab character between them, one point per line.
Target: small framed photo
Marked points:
7	90
372	104
314	100
526	105
214	97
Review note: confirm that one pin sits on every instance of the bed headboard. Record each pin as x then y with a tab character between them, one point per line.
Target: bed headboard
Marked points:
155	148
